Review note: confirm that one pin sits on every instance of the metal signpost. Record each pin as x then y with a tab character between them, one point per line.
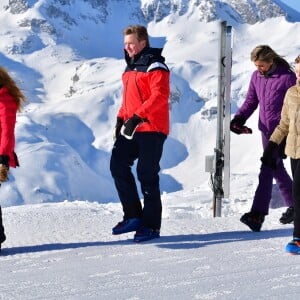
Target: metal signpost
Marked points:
219	164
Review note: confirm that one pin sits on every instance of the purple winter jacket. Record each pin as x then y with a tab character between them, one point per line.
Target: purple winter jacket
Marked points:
268	92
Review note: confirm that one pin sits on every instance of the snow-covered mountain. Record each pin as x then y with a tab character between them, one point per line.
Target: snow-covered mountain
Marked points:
92	28
67	55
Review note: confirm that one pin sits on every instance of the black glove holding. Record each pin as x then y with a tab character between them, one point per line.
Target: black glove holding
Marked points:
282	149
130	126
4	168
118	127
237	125
4	160
268	158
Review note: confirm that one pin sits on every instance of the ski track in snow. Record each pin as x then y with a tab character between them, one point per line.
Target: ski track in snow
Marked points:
66	251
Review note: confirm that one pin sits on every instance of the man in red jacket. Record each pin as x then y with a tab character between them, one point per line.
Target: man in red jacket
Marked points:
141	130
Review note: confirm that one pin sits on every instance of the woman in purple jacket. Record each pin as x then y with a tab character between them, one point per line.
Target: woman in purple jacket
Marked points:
267	89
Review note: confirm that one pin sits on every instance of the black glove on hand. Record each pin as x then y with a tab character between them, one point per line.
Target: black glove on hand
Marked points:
237	126
268	159
4	160
281	149
130	126
118	127
4	167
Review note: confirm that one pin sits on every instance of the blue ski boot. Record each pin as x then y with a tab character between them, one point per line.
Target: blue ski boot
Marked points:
145	234
293	247
127	225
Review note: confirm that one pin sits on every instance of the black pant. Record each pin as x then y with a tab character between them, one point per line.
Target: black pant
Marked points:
295	165
2	235
146	148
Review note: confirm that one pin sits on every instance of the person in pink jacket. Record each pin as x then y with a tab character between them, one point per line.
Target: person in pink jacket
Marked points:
11	100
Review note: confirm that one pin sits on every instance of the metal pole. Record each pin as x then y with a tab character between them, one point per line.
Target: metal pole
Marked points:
227	110
223	120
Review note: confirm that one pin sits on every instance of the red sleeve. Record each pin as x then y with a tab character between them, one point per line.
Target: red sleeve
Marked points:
7	127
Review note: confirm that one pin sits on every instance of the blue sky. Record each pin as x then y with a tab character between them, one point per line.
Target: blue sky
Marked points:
295	4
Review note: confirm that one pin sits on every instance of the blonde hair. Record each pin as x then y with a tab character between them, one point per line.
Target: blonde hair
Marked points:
14	91
140	32
267	54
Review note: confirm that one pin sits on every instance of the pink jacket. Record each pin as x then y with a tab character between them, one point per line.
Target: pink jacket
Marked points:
8	112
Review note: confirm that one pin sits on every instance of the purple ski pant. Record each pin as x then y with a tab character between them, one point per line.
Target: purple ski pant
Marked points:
263	191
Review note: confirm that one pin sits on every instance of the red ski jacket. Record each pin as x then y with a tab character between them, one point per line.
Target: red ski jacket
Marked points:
8	112
146	91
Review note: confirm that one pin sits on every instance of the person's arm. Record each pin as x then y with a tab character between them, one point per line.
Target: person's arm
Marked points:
251	102
279	134
7	126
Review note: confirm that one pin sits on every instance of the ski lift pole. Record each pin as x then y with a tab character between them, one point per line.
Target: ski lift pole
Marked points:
227	109
223	119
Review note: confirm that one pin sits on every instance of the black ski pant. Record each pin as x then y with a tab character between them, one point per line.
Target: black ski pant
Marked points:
295	166
2	235
146	148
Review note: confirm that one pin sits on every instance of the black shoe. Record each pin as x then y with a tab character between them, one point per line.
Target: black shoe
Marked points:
253	220
2	239
288	216
128	225
145	234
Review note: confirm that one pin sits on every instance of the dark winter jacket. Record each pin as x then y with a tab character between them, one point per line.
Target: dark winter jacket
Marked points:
8	111
146	90
268	92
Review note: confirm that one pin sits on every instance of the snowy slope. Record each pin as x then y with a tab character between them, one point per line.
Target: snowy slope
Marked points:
66	251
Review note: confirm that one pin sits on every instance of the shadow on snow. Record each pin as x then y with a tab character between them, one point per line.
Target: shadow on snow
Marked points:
193	241
189	241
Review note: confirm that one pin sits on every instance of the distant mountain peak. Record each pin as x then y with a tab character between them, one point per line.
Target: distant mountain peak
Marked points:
237	11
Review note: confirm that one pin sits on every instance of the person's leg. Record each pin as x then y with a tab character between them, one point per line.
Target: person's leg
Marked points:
2	234
283	181
150	152
263	193
123	155
262	197
293	246
295	164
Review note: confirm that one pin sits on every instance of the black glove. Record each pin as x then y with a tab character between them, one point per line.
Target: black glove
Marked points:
4	160
118	127
268	158
237	125
4	167
130	126
282	149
